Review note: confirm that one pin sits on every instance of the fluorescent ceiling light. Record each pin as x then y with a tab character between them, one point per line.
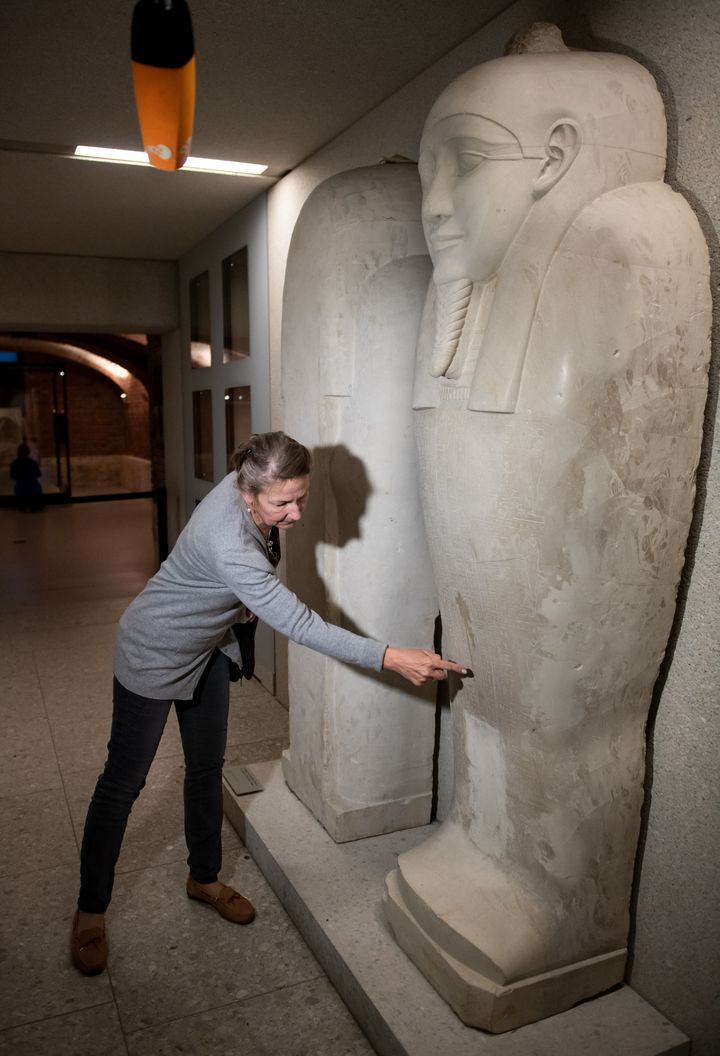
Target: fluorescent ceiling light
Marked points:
139	157
238	168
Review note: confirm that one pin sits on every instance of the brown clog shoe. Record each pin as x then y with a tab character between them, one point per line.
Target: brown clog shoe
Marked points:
229	903
88	949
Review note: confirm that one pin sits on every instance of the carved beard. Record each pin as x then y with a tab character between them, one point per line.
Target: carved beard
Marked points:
451	306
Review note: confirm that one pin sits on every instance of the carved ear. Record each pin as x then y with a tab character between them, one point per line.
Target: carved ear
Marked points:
561	148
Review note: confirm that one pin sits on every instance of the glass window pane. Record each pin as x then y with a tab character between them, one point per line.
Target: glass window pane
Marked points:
237	417
236	306
202	434
200	320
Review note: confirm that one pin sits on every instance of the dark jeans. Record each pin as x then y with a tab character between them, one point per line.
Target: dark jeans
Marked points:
137	726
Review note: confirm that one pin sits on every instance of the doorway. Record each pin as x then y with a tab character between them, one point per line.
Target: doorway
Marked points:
92	421
33	411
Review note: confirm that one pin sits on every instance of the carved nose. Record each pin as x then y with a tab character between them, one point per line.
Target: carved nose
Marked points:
437	201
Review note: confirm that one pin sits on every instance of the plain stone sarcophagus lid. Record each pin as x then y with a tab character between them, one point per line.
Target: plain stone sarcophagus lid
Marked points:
559	392
361	745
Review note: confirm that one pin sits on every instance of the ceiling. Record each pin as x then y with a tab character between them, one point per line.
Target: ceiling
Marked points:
277	79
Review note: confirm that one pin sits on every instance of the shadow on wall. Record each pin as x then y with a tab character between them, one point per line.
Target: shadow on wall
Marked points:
339	493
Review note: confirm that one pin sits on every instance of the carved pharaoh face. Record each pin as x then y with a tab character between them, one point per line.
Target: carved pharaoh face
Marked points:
477	191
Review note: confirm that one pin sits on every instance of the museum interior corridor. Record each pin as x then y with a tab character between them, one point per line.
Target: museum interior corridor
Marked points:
180	979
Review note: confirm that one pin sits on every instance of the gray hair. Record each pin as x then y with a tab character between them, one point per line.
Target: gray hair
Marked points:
267	457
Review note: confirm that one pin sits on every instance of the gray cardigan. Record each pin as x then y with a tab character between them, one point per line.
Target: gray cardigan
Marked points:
218	566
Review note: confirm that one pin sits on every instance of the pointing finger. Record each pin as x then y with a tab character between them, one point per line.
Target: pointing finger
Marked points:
450	665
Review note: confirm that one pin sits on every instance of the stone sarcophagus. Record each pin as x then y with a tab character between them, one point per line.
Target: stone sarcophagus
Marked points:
361	745
559	394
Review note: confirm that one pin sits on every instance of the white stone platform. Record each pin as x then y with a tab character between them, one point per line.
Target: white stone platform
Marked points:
333	894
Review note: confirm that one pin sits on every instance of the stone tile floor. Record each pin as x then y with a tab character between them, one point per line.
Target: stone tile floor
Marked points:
180	980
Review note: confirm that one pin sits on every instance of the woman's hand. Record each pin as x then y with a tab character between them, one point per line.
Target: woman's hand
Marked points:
419	665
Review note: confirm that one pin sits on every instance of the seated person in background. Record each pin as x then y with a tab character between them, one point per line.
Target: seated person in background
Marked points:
25	471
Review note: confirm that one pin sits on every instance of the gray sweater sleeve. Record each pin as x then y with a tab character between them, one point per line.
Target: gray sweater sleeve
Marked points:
260	590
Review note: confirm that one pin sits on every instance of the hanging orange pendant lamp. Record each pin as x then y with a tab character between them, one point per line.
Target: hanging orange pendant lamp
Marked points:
163	65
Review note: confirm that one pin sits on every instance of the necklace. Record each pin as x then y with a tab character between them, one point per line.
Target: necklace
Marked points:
273	545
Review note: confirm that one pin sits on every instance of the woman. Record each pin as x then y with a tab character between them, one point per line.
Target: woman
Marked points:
176	644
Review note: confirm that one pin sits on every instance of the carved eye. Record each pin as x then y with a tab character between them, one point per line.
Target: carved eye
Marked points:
468	161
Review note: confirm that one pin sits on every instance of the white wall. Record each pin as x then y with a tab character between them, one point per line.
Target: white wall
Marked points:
676	957
87	294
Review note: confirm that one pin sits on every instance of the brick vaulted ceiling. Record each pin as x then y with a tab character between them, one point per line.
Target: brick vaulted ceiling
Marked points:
277	79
